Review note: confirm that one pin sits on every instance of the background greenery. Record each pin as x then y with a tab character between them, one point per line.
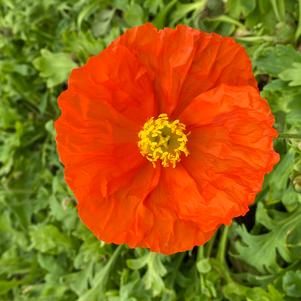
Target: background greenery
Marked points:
46	253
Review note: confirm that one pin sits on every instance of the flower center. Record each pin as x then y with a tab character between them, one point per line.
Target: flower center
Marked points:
164	140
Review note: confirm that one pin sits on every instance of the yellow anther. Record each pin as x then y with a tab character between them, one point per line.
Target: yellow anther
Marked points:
163	140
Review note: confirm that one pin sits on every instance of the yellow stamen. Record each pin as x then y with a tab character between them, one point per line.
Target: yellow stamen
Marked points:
164	140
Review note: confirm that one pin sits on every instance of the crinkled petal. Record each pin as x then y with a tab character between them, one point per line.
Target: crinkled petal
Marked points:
231	148
122	217
95	145
218	60
103	109
185	62
181	216
115	76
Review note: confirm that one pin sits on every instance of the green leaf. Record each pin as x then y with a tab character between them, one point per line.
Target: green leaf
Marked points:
134	15
5	286
153	5
153	277
97	291
260	251
49	239
280	176
236	292
292	75
160	19
291	283
240	8
52	264
154	273
102	22
86	11
183	9
285	100
79	281
204	266
276	59
54	67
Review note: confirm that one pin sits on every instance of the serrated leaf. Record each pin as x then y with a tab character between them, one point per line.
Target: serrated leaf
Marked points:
291	283
97	291
134	15
292	75
236	292
153	5
240	8
276	59
49	239
279	177
260	251
5	286
154	273
54	67
182	10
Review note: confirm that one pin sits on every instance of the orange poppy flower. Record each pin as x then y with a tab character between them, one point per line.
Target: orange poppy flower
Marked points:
164	137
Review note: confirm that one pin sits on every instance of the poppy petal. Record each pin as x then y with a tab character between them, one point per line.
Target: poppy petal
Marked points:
231	147
178	206
102	113
122	216
117	77
167	54
93	144
180	58
218	60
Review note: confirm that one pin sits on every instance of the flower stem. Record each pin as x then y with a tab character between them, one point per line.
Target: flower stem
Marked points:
209	246
289	136
221	255
298	31
221	252
200	254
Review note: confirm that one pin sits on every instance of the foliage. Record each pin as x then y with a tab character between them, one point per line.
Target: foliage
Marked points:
46	253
